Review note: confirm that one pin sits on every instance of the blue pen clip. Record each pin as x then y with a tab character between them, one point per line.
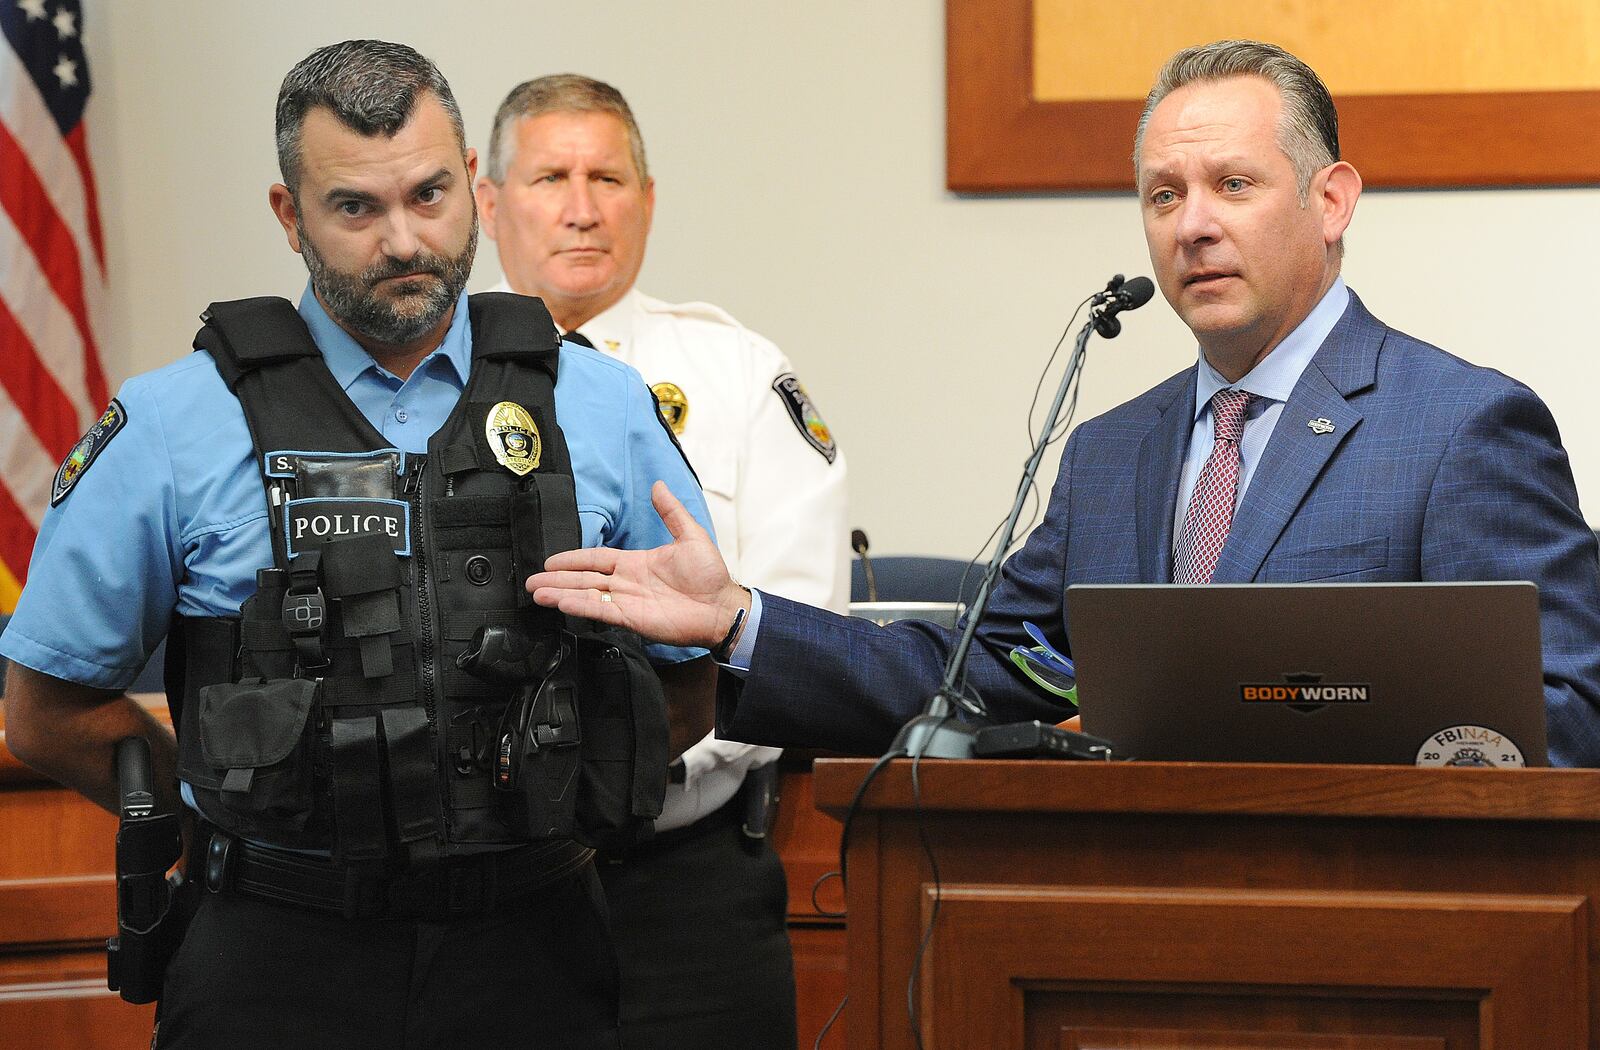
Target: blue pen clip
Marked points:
1043	647
1043	671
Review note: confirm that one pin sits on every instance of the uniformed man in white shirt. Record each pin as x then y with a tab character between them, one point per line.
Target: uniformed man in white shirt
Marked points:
567	197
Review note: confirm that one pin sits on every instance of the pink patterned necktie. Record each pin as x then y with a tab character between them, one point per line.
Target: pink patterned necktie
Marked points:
1210	514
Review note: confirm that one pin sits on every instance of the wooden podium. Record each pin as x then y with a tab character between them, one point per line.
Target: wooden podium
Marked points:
1159	906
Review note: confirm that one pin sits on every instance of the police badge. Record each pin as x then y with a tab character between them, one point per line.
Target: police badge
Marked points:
513	437
673	404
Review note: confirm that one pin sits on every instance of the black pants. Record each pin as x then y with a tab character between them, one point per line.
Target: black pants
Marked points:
537	974
698	918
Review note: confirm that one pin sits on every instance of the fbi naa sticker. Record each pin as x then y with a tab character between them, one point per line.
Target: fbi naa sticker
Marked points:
805	415
88	447
513	437
673	404
1470	746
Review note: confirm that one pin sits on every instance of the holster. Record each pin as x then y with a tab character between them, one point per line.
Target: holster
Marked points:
151	912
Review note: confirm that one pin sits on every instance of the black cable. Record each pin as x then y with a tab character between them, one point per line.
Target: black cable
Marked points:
837	1010
817	885
844	837
1029	481
933	912
1033	406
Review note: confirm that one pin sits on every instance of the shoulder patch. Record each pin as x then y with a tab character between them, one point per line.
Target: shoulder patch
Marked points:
805	415
111	421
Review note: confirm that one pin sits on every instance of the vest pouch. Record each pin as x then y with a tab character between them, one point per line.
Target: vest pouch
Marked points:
623	780
551	744
257	737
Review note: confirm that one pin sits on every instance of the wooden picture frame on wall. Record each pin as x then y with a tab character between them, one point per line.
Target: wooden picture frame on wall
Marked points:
1001	138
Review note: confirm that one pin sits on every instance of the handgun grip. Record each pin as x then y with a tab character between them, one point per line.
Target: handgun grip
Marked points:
136	797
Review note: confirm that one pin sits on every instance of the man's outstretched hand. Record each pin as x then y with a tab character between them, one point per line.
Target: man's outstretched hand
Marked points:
680	594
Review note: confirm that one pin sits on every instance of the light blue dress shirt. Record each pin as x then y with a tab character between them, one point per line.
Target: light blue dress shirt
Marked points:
172	513
1272	380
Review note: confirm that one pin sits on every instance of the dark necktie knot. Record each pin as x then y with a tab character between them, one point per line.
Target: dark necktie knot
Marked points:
578	337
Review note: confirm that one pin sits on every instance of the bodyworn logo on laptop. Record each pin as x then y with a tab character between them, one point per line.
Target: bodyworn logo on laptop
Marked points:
1305	691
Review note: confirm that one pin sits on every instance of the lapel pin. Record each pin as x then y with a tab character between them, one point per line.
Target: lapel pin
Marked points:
1321	425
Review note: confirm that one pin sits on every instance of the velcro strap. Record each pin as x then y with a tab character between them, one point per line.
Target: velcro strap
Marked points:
458	458
465	685
367	692
412	779
377	659
264	636
357	790
461	625
471	510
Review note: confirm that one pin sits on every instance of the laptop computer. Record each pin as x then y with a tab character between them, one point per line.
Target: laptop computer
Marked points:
1390	673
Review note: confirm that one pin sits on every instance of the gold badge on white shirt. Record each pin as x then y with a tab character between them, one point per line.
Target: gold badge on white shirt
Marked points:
673	404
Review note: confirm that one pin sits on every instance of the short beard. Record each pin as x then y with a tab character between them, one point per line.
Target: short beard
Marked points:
397	319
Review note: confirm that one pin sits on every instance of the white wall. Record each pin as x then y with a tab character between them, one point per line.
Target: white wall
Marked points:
799	156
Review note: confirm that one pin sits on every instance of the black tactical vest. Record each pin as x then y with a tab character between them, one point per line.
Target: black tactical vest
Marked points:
391	693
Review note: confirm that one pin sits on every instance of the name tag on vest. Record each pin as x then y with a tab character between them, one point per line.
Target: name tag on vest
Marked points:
313	522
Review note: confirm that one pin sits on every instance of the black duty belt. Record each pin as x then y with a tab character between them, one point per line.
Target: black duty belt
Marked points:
451	888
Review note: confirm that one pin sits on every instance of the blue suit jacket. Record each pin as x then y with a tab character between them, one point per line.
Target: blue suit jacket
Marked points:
1436	469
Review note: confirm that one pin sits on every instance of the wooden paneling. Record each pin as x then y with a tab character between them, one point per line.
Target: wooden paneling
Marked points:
808	843
57	907
1138	899
1291	959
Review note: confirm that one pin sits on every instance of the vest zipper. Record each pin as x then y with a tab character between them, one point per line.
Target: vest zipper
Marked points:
419	559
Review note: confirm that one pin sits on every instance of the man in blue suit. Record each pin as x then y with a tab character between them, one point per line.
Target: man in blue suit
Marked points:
1309	442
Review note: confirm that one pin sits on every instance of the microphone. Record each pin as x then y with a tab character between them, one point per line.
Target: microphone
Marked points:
936	733
858	543
1119	295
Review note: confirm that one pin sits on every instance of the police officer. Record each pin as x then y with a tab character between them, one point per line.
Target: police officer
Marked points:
344	741
699	912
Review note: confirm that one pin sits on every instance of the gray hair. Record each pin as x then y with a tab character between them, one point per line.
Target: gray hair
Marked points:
371	86
1308	132
559	93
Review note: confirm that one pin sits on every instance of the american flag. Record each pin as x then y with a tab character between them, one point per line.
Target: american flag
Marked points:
52	268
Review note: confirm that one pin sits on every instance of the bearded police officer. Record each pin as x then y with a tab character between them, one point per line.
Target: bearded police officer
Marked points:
698	913
399	766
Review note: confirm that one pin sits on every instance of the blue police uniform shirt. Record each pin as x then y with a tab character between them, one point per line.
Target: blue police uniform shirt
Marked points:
172	513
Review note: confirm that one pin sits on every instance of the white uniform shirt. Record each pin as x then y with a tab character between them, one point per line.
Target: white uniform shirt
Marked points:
777	501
